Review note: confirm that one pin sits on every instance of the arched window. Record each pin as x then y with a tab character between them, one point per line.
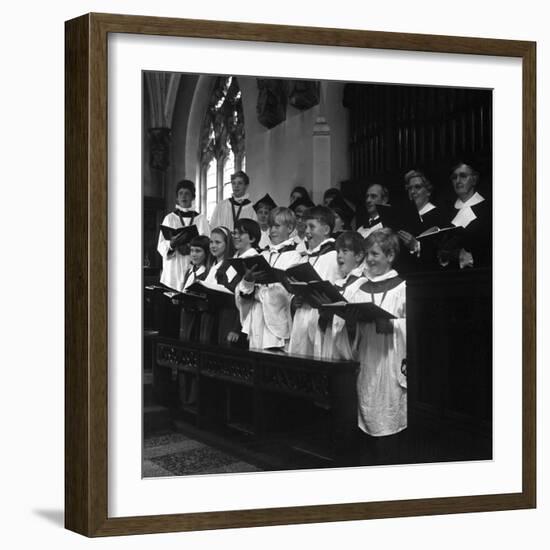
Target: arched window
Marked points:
211	187
228	169
222	143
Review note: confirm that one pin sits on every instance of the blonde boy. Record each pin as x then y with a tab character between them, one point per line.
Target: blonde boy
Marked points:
382	380
265	308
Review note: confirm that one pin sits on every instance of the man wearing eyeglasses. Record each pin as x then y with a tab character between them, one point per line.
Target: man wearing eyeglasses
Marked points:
472	212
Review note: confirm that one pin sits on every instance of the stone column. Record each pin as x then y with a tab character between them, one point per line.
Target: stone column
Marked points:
321	158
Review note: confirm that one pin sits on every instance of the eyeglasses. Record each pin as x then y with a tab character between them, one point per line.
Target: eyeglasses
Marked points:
237	233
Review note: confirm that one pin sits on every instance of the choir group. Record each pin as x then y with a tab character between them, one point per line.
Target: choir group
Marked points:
361	264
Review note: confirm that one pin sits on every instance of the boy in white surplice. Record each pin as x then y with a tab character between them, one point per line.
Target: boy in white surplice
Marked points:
382	347
306	335
265	308
175	260
350	250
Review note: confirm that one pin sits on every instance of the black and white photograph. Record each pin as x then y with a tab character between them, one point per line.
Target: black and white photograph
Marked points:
317	274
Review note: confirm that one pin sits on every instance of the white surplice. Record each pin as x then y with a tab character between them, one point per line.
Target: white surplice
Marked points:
335	342
174	264
381	384
306	336
192	275
223	213
264	239
265	309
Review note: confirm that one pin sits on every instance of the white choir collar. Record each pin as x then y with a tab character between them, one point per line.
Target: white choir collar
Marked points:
356	272
240	199
277	247
178	207
318	247
247	254
426	208
476	198
388	275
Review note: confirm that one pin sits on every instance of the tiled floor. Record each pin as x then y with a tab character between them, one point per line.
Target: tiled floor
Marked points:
175	454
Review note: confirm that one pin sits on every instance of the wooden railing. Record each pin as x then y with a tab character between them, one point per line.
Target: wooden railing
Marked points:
298	400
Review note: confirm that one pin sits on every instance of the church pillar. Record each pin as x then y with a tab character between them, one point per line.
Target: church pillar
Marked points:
321	159
219	177
322	167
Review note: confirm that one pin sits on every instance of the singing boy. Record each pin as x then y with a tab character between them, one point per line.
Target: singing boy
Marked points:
306	335
350	250
382	380
265	308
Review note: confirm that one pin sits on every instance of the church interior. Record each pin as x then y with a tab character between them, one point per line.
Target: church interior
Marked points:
260	411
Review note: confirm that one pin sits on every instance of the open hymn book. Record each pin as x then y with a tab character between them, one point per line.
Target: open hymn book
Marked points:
361	311
303	272
204	295
183	234
436	231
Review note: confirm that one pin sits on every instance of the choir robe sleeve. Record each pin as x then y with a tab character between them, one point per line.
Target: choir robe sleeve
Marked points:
216	216
400	336
337	343
396	342
223	215
202	224
271	301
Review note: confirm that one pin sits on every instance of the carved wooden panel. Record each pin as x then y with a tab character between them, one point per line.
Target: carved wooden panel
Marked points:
314	385
172	356
237	369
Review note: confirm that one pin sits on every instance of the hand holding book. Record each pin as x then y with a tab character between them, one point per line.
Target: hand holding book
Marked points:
180	236
365	312
256	274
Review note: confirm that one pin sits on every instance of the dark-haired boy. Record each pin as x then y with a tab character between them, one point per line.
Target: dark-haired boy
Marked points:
238	206
262	208
299	207
350	250
306	336
175	261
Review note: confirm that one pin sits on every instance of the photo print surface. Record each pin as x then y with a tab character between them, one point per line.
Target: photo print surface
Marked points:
317	274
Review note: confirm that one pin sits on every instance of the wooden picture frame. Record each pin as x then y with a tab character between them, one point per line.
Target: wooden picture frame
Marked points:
86	317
